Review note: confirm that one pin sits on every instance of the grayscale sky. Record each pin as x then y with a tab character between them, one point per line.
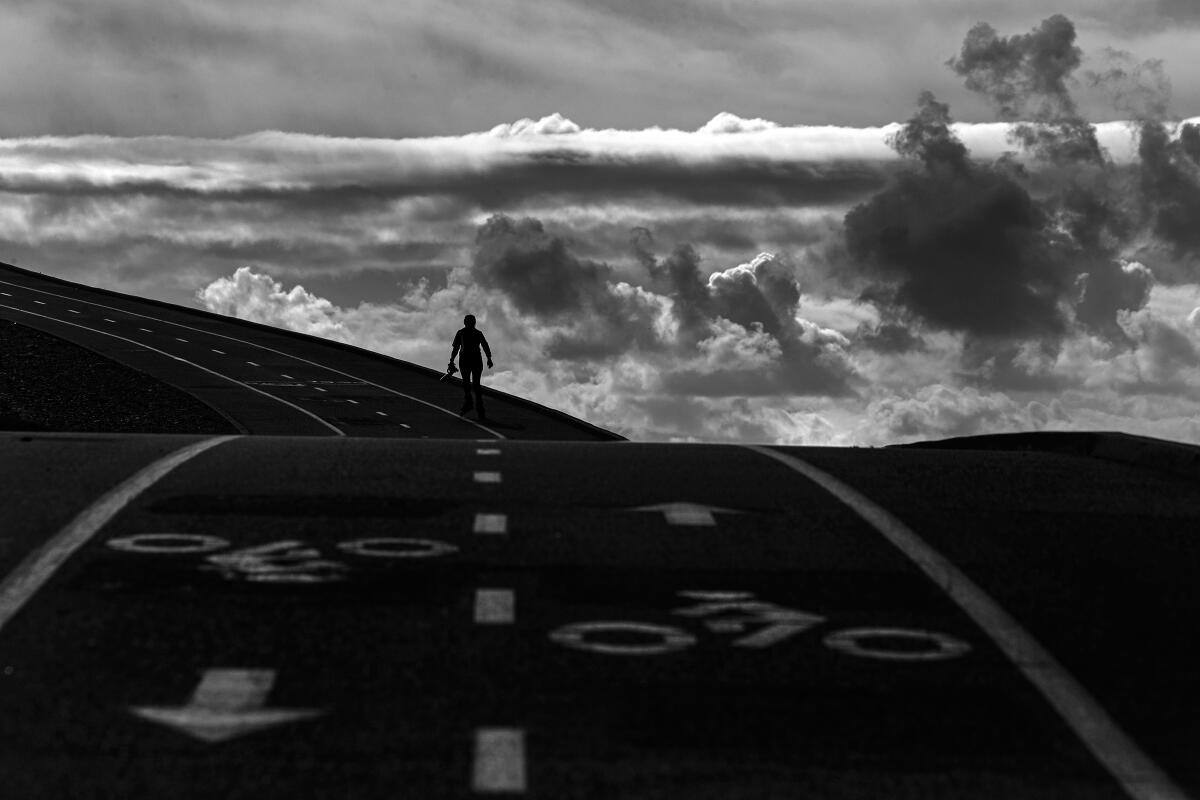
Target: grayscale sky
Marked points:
690	220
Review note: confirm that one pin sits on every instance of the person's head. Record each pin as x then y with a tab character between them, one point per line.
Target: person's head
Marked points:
469	320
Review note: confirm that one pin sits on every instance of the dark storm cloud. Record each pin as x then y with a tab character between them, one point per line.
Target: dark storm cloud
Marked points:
966	245
1170	183
1026	77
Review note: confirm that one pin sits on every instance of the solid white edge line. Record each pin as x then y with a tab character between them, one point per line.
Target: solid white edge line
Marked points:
499	762
39	566
337	431
496	434
1137	774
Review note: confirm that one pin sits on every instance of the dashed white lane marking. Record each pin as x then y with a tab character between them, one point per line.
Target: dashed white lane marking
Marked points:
487	451
406	426
6	294
337	431
381	413
1140	777
218	352
73	311
491	523
351	402
495	606
37	568
179	339
289	377
251	363
499	762
147	330
40	302
318	388
106	319
487	477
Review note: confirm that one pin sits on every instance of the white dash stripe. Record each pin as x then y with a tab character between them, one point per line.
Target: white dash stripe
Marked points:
1140	777
289	377
39	566
406	426
491	523
218	352
40	302
251	363
6	294
499	762
495	606
147	330
180	340
318	388
487	477
106	319
381	413
73	311
352	402
487	451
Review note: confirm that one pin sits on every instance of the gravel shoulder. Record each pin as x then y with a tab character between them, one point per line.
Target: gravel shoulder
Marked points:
47	384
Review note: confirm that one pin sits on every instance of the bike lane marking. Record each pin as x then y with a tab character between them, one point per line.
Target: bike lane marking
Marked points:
499	763
39	566
1132	768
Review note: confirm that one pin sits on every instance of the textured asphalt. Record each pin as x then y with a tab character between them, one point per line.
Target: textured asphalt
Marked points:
631	657
357	616
269	381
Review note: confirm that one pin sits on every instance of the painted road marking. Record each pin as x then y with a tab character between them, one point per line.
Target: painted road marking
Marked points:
146	330
590	636
319	389
499	762
40	302
495	606
858	642
73	311
289	377
351	402
168	543
227	703
491	523
381	413
218	352
251	363
1138	775
487	477
336	431
6	294
37	568
179	339
487	451
388	547
357	381
688	514
406	426
106	319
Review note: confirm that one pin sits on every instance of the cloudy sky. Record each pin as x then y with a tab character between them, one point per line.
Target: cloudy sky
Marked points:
830	222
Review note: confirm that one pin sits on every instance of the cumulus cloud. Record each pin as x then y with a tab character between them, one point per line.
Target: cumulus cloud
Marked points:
732	123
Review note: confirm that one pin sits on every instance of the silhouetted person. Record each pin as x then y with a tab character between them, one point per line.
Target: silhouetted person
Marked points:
470	339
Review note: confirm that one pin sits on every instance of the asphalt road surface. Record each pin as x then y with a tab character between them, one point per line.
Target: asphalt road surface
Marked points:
270	381
357	616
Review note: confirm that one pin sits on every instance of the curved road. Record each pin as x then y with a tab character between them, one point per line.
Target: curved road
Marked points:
462	616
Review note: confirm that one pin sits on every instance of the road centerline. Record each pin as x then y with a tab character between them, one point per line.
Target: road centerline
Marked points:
1133	769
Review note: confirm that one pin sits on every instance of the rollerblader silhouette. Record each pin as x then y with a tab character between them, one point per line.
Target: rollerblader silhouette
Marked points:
469	339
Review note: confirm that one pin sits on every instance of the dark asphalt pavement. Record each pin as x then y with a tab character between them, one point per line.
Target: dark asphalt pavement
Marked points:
274	382
366	618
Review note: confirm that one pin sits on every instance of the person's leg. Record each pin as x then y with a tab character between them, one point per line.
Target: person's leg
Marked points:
465	368
476	375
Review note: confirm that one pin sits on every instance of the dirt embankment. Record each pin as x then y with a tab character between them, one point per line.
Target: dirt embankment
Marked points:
47	384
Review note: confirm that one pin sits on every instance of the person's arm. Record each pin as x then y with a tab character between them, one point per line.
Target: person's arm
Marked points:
457	344
486	349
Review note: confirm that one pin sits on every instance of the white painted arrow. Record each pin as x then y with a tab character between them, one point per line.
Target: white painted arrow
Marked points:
226	704
688	513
